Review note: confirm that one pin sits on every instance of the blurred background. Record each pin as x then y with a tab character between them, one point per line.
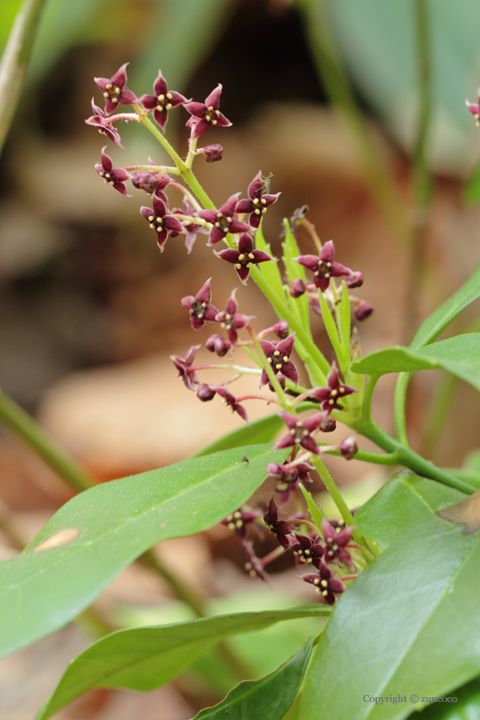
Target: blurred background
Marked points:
326	97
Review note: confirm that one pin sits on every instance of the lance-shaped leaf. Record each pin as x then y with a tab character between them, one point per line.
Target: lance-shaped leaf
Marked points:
146	658
98	533
270	697
412	620
459	355
401	503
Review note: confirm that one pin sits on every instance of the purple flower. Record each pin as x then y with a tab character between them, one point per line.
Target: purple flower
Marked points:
327	586
231	320
159	221
308	548
184	367
253	565
116	177
162	101
348	447
189	228
204	115
281	329
330	396
278	356
199	307
231	401
151	182
474	109
239	520
99	121
244	257
300	431
217	344
213	153
354	280
280	528
257	203
206	392
323	266
288	476
335	544
223	221
297	288
363	310
114	90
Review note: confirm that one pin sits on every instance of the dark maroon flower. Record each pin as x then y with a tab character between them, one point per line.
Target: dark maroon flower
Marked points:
231	320
278	356
289	473
159	221
323	266
239	520
116	177
330	396
297	288
190	228
348	447
308	548
162	101
206	114
184	367
114	90
99	121
281	329
151	182
354	280
253	565
363	310
475	109
217	344
280	528
335	544
205	392
326	586
300	431
257	203
213	153
199	307
244	257
231	401
223	220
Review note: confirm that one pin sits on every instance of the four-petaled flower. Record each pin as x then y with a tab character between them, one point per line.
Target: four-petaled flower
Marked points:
199	307
253	565
162	101
115	177
231	320
99	120
239	520
330	396
231	401
223	220
206	114
257	203
308	548
114	90
335	544
326	586
300	431
280	528
244	256
184	366
160	221
288	476
278	356
323	266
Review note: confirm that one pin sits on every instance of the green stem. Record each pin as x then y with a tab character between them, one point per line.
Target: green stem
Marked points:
390	459
399	407
15	418
15	59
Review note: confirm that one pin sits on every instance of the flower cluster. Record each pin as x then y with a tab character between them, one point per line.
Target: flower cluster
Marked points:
237	225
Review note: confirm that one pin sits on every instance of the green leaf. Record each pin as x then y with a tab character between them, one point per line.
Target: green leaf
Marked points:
316	513
332	332
295	270
344	316
436	323
269	270
401	503
260	431
465	705
459	355
112	524
411	620
270	697
145	658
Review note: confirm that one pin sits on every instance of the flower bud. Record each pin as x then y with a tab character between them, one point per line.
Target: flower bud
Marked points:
327	425
363	310
276	471
348	447
354	280
205	392
297	288
213	153
217	344
281	329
